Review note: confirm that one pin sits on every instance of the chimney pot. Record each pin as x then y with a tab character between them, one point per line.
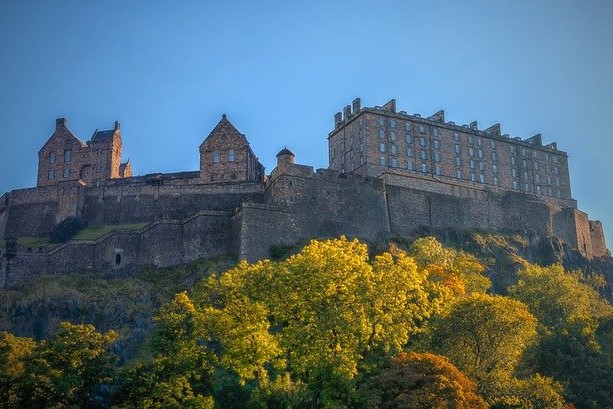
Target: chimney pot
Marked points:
60	122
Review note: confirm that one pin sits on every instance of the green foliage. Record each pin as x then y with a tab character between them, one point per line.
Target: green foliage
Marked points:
420	381
13	353
66	229
63	371
461	272
486	337
559	298
94	232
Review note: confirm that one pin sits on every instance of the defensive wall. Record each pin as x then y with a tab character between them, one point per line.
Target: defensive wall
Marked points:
186	220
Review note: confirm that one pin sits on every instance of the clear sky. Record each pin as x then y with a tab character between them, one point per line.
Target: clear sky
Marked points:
281	70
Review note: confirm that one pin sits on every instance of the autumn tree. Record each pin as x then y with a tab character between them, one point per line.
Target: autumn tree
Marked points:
413	380
574	323
66	369
13	353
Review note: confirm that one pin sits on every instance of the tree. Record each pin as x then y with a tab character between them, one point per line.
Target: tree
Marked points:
65	370
13	353
559	298
177	376
413	380
461	272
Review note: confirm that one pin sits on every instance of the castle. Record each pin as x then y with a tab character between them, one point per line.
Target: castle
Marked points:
389	174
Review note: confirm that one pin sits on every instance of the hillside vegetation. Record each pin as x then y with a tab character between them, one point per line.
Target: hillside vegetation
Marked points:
335	325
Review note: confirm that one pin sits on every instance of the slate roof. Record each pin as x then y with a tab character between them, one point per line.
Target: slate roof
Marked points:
102	135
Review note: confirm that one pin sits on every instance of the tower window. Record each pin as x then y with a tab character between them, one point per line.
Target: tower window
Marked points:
216	156
52	157
51	174
231	155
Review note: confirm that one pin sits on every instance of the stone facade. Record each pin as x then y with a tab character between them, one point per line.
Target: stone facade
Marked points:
229	207
66	158
225	155
373	141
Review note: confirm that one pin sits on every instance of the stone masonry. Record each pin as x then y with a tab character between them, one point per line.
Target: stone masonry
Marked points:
390	174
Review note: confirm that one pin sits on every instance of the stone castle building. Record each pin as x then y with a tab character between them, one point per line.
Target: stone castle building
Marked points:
390	174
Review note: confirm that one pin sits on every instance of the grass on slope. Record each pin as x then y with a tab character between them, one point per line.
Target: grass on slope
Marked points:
94	232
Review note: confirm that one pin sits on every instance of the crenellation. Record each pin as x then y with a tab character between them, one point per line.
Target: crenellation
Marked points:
390	173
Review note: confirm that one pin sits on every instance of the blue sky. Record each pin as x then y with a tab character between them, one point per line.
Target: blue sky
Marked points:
281	70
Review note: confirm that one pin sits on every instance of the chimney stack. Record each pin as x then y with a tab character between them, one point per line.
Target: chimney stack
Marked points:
357	105
347	112
60	122
338	119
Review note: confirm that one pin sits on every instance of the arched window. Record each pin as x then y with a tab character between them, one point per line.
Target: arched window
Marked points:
117	259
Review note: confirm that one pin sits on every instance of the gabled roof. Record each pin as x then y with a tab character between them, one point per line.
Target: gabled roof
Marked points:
225	130
61	131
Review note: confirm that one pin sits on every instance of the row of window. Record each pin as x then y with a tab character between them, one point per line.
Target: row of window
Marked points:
217	155
67	156
51	174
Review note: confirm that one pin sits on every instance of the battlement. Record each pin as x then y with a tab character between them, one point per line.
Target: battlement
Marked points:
390	175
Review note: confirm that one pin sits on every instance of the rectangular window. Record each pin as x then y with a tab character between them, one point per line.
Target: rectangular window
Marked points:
393	149
409	138
51	174
482	178
456	137
424	167
381	147
473	177
407	126
52	157
479	142
538	190
458	174
472	164
513	150
437	170
393	123
515	185
422	141
231	155
382	160
481	153
216	156
422	129
436	144
381	133
381	121
537	166
471	151
392	136
470	139
495	168
437	157
525	174
481	165
514	172
523	152
99	151
423	155
435	132
494	156
410	165
458	161
495	181
537	178
512	160
409	151
457	149
67	155
524	163
493	144
66	173
394	162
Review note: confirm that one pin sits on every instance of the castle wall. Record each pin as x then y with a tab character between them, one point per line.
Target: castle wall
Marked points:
142	203
599	247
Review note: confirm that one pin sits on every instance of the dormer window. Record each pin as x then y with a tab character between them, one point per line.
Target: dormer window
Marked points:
216	156
231	155
67	155
52	157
